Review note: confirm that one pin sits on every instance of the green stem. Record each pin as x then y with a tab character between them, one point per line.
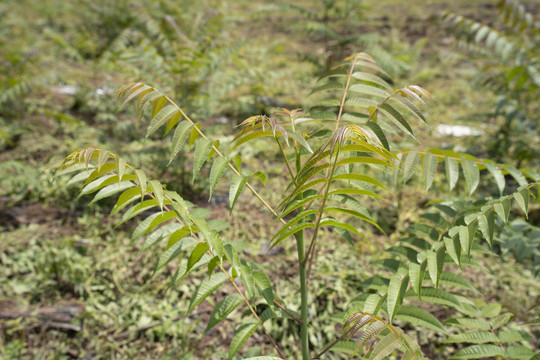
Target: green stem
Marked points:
286	160
303	296
304	341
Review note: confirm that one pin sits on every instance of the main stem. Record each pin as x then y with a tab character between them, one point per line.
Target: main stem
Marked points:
303	295
304	341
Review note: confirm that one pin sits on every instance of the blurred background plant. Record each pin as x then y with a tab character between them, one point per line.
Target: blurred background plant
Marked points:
506	47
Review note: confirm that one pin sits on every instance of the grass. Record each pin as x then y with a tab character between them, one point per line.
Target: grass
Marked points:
54	250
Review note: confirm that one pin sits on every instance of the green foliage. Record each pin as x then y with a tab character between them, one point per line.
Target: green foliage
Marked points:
513	73
335	157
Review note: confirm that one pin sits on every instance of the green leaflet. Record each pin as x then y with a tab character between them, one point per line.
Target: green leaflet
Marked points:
103	158
466	237
246	274
297	204
112	189
358	177
435	264
194	135
468	323
502	208
103	182
368	90
521	352
157	189
161	233
180	137
202	151
212	264
80	176
172	121
157	105
151	222
217	171
364	76
439	296
250	136
404	251
182	271
416	274
475	337
134	92
301	189
370	333
491	310
471	174
508	336
332	85
300	140
207	286
516	174
173	251
137	209
397	118
355	322
522	199
161	118
456	280
410	164
141	179
126	198
345	347
121	168
335	223
292	231
68	169
386	346
480	351
223	309
486	224
237	185
411	355
453	247
353	213
178	235
452	171
265	287
396	292
409	105
497	175
357	101
429	169
144	100
359	145
196	255
374	303
97	184
240	336
98	172
363	160
500	320
417	316
258	175
304	176
379	133
216	243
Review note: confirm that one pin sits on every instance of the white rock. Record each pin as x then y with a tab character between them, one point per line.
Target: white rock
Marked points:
457	130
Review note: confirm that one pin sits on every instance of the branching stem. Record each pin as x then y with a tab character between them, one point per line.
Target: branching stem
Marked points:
231	280
230	164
